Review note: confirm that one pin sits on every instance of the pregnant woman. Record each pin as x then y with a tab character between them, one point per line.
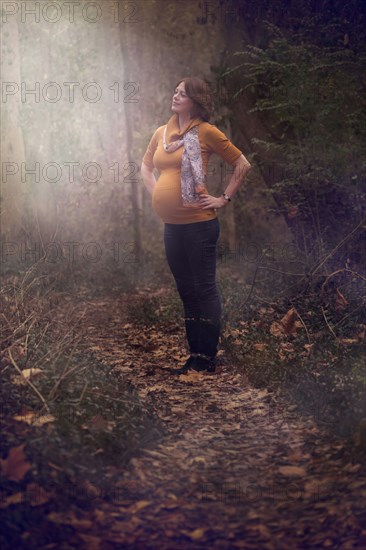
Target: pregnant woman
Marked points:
180	151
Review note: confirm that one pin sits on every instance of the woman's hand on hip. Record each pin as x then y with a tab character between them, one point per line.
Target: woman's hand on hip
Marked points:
208	201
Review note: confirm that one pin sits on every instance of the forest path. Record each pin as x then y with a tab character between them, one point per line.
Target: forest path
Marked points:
237	468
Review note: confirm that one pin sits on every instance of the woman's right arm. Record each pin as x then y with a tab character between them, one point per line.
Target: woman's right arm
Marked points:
147	165
148	177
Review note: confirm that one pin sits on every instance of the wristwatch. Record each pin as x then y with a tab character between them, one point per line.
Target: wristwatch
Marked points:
226	197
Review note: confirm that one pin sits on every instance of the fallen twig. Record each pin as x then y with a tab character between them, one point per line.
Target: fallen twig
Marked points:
37	392
328	325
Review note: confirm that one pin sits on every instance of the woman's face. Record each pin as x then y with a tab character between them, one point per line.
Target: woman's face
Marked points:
181	103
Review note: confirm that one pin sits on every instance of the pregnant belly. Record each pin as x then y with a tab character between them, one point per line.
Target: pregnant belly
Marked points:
167	198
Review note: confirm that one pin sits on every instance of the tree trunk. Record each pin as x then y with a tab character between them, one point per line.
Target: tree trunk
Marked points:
125	44
13	190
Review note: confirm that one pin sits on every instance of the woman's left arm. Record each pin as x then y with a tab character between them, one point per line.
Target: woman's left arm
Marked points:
242	167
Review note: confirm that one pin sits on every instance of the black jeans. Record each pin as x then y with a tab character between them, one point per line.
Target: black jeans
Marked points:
191	253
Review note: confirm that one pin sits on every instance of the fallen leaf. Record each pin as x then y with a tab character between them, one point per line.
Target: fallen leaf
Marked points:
44	419
361	335
309	347
69	518
197	534
276	329
137	506
290	321
191	376
170	505
287	346
27	373
352	468
99	516
33	419
341	302
25	416
36	495
14	467
90	489
16	498
98	423
348	341
199	459
260	346
262	530
290	471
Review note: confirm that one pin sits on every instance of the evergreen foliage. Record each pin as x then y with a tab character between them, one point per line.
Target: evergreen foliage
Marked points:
309	88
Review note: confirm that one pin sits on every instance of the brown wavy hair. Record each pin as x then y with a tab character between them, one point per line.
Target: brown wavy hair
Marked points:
199	92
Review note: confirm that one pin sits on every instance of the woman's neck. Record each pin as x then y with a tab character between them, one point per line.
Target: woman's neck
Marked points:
183	121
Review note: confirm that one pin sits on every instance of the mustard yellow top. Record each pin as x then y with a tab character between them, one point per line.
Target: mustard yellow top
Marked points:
166	197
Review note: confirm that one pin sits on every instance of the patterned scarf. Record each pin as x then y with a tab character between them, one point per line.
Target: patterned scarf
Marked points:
192	177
